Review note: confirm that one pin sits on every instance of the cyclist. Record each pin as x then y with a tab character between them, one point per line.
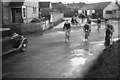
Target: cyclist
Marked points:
98	23
111	28
74	21
89	22
87	30
67	28
107	37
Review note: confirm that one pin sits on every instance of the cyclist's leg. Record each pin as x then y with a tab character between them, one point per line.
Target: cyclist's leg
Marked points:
65	34
111	38
109	41
98	26
85	36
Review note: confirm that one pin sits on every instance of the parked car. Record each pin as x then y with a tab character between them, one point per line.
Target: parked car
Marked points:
12	41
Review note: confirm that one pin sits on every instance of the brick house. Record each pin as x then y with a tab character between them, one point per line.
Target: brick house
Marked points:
22	11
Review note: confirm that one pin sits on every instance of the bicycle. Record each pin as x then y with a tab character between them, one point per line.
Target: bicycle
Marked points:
99	25
67	35
87	35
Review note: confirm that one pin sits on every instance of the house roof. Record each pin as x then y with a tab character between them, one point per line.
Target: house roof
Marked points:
59	6
75	6
92	6
44	4
16	3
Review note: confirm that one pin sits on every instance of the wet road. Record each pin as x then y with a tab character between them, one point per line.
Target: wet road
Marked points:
49	56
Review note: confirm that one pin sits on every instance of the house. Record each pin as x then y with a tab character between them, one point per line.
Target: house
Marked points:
45	5
97	8
44	9
20	12
59	6
111	11
118	10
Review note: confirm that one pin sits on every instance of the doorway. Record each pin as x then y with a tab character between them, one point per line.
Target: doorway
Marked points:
17	15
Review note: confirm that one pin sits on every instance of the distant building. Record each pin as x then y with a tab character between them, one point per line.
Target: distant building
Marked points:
75	6
20	12
94	8
45	5
59	6
111	11
44	9
103	9
47	10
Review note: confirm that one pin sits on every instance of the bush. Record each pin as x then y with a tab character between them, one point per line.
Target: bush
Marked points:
69	13
23	28
35	20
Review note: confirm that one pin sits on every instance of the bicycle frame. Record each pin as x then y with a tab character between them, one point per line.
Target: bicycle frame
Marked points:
67	34
86	34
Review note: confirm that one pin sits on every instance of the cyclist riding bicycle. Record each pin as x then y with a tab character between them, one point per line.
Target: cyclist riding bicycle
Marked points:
67	28
74	21
107	37
87	30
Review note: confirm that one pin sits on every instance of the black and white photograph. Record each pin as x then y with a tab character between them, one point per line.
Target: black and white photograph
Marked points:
59	39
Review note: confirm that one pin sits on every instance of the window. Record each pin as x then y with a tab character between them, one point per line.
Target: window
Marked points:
108	12
24	12
34	10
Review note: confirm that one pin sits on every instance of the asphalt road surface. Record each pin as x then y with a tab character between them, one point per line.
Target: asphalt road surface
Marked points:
49	56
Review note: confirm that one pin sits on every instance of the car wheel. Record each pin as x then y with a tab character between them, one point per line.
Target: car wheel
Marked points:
23	47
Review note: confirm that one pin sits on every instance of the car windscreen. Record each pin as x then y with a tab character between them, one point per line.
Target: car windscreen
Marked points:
6	33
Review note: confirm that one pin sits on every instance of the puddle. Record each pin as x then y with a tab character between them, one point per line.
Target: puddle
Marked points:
75	45
100	42
77	61
81	52
115	39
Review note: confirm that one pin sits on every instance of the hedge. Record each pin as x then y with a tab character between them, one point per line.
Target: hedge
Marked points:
25	28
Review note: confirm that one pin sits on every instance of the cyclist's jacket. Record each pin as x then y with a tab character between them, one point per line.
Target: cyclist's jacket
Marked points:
89	21
111	28
86	27
107	32
72	20
67	26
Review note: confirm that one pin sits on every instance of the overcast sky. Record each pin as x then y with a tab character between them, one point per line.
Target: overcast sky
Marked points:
75	1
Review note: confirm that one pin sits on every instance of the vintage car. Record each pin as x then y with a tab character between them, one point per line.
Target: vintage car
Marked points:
12	41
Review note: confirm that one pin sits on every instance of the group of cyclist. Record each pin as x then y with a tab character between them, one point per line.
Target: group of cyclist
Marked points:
87	29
